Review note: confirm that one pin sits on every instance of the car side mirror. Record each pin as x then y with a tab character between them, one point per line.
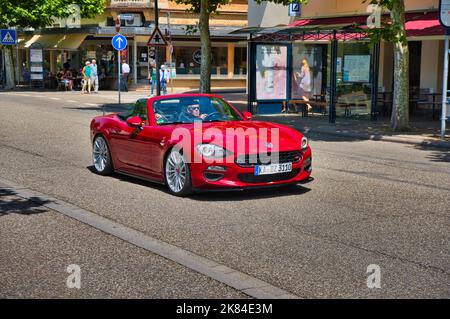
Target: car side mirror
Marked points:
247	116
134	121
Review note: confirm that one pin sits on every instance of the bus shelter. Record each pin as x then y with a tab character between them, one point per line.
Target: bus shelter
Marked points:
331	70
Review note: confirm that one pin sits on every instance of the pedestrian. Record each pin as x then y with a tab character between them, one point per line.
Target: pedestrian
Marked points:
94	75
125	73
86	77
164	78
152	78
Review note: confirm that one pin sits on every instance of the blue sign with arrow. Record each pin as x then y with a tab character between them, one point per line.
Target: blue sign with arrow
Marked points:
119	42
8	37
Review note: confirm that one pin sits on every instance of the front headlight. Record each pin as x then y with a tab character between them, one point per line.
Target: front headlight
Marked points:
305	143
212	151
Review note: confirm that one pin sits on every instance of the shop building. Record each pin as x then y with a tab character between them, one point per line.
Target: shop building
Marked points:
344	66
76	40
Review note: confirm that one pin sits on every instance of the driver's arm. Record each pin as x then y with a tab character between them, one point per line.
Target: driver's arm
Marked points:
159	118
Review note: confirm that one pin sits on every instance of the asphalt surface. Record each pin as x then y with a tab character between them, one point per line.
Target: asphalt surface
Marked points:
371	203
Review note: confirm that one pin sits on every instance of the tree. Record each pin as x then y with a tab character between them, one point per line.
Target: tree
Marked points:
39	14
205	8
393	30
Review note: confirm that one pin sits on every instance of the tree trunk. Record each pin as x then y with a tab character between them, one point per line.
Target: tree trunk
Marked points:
400	107
9	68
205	69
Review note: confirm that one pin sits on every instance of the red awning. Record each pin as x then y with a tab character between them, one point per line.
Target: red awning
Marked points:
417	24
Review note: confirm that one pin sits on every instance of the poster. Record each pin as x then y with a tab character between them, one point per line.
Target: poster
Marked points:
339	65
357	68
306	71
36	55
271	74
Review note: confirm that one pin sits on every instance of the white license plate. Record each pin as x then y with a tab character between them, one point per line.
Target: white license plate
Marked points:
273	169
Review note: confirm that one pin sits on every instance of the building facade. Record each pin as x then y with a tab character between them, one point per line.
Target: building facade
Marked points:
75	40
360	65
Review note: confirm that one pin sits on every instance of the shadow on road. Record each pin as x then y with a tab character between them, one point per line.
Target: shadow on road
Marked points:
108	108
134	180
11	203
241	195
225	195
435	154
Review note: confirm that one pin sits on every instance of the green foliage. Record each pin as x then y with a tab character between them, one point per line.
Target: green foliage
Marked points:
40	13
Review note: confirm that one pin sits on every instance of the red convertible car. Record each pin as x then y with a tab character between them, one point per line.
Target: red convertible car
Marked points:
195	142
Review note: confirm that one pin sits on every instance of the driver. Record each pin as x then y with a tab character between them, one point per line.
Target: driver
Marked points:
194	110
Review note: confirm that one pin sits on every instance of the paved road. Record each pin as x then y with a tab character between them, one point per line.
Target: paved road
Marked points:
371	203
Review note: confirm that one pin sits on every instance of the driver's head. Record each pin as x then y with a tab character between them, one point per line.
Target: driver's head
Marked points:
194	109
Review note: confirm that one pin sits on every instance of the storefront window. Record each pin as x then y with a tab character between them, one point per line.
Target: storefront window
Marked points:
240	61
271	72
188	60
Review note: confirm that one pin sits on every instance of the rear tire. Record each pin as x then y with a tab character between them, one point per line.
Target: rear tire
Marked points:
101	156
177	174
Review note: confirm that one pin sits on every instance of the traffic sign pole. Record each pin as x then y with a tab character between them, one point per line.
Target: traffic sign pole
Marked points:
118	72
444	18
119	43
158	77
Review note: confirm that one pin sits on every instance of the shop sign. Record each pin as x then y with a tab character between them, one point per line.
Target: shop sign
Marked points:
295	10
126	16
197	56
444	13
130	4
36	55
36	76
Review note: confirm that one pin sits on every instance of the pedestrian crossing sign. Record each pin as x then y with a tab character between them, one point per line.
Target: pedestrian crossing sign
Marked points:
156	39
8	37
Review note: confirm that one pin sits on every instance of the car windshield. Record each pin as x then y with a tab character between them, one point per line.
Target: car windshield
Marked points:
191	109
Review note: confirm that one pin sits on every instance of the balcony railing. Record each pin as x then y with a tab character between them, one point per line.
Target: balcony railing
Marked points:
131	4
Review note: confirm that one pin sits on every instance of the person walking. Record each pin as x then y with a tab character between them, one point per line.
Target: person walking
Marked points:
94	75
86	77
152	78
125	73
164	78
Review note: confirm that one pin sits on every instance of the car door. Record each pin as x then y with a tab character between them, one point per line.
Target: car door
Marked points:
135	147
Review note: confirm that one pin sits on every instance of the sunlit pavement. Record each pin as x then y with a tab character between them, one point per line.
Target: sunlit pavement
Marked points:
372	203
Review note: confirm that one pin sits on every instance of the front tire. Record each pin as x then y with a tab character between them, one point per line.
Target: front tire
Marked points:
101	157
177	174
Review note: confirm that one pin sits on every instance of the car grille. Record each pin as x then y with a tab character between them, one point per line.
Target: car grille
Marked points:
248	161
251	178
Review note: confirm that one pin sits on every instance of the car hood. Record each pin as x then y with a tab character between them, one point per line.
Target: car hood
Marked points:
247	137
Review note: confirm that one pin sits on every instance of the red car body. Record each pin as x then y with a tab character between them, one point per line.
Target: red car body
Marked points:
142	154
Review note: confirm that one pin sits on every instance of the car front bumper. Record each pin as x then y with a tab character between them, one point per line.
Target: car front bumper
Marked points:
212	176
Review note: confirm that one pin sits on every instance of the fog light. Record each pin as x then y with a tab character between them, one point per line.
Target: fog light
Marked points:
307	165
213	177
